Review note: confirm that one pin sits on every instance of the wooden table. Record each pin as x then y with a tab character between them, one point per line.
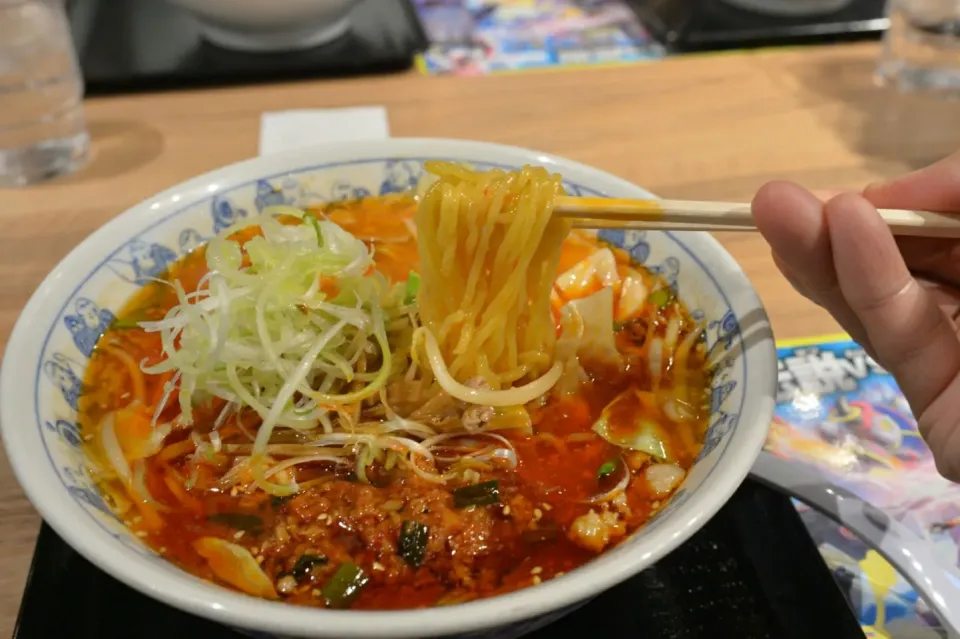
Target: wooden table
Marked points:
711	127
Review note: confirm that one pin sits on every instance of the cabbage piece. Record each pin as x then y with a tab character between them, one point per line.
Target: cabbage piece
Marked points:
632	420
235	565
511	418
136	434
589	321
599	270
633	296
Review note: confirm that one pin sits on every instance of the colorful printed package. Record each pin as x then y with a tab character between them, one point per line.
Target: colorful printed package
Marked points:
475	37
841	415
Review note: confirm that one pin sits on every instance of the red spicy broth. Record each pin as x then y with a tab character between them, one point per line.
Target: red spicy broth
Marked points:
397	540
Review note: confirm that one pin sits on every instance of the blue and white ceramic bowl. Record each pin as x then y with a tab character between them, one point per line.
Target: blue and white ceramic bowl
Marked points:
49	347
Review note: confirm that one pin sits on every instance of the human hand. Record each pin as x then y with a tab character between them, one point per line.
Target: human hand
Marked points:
898	297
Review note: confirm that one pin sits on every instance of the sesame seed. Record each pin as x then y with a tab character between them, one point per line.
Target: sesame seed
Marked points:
259	559
238	534
537	580
141	533
537	513
286	585
547	507
315	592
162	549
559	574
506	510
378	566
655	504
234	491
536	571
137	519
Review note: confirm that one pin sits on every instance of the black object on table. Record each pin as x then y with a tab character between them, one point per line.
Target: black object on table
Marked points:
149	45
686	26
752	573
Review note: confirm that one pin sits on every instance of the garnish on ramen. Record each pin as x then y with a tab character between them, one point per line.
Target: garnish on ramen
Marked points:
397	402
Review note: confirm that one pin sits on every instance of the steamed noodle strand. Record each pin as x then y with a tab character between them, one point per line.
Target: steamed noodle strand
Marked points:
510	397
489	246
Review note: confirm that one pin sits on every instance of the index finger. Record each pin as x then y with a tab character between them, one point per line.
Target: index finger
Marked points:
933	188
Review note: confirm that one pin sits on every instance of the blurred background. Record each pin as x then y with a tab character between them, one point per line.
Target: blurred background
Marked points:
137	44
122	98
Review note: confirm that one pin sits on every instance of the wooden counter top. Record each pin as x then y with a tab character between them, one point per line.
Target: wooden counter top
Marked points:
704	127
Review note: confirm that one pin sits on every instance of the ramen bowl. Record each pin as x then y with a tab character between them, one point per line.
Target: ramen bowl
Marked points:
278	25
55	335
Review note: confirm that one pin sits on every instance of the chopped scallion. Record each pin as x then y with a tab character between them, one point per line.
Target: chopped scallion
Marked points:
412	544
345	586
606	469
661	297
482	494
312	220
305	565
122	324
413	287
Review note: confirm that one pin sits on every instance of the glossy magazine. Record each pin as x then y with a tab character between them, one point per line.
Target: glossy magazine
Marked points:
843	440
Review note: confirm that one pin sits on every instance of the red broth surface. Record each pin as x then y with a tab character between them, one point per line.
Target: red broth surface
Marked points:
399	541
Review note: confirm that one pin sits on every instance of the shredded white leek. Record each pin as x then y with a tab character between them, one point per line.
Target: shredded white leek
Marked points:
111	448
283	333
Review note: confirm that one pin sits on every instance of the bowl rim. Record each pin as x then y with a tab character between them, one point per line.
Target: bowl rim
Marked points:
180	589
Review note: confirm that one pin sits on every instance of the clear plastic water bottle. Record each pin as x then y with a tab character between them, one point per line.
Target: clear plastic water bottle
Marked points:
42	129
921	48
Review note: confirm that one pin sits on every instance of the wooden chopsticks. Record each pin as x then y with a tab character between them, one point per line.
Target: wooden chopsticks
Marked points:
689	215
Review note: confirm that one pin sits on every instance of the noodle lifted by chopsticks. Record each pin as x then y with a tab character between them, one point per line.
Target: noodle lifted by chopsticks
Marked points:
491	315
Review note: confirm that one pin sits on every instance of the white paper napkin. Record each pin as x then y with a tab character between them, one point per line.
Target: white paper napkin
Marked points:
285	130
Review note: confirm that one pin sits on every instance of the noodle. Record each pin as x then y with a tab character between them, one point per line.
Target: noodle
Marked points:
509	397
489	249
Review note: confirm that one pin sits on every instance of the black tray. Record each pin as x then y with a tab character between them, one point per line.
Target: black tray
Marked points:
687	26
752	572
149	45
